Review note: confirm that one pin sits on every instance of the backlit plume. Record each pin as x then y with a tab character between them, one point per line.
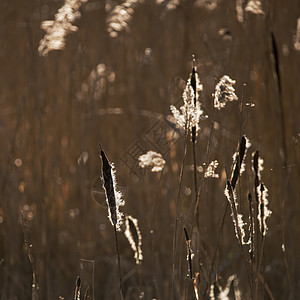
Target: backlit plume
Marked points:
119	17
57	30
210	170
190	113
224	92
255	7
263	211
113	196
153	160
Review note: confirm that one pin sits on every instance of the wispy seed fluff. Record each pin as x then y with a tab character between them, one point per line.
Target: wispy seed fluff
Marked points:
57	30
113	196
190	113
210	170
134	237
153	160
263	210
224	92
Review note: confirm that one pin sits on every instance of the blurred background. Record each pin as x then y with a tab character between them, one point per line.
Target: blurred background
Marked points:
107	72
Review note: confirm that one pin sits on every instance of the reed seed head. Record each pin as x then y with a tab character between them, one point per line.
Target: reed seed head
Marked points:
113	196
210	170
134	238
153	160
77	289
237	218
57	30
239	160
224	92
119	17
190	113
263	211
254	7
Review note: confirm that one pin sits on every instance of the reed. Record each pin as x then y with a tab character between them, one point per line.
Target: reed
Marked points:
114	201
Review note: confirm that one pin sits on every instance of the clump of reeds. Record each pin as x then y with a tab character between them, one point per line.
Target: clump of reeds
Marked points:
134	237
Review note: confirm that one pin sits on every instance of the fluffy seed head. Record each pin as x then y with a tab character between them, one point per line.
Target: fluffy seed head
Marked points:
153	160
224	92
254	7
119	17
190	113
57	30
210	170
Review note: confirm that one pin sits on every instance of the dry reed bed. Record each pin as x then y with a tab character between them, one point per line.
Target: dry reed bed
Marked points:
55	110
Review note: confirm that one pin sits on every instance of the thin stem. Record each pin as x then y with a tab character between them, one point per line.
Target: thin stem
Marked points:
195	182
34	286
152	232
119	263
177	213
